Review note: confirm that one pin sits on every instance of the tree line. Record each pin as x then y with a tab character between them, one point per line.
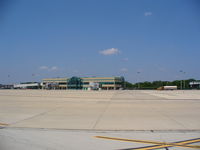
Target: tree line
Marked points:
181	84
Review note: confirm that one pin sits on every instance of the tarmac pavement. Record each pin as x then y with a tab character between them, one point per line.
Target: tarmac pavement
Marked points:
44	119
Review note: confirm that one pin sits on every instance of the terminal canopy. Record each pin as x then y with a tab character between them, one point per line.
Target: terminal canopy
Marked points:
74	83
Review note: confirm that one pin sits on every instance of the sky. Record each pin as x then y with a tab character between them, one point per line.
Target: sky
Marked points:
142	40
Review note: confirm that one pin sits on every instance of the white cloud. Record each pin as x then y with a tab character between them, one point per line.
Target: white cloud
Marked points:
148	14
124	70
43	68
110	51
53	68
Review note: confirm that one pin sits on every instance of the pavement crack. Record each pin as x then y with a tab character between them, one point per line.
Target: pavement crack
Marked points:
101	115
105	109
34	116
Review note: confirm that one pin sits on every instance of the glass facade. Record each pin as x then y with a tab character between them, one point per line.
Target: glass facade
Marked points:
74	83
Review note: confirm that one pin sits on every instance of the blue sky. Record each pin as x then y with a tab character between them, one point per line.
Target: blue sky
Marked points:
60	38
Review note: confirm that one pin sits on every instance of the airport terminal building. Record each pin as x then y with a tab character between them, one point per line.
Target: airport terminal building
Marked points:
85	83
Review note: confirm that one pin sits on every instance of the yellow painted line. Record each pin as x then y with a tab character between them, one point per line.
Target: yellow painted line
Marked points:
177	144
3	124
164	146
160	144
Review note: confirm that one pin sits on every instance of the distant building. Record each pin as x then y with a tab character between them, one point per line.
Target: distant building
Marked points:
27	85
7	86
195	84
85	83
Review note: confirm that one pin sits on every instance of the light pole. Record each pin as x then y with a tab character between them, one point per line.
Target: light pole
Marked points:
182	81
138	80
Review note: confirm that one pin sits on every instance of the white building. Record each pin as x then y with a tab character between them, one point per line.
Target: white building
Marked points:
195	84
27	85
